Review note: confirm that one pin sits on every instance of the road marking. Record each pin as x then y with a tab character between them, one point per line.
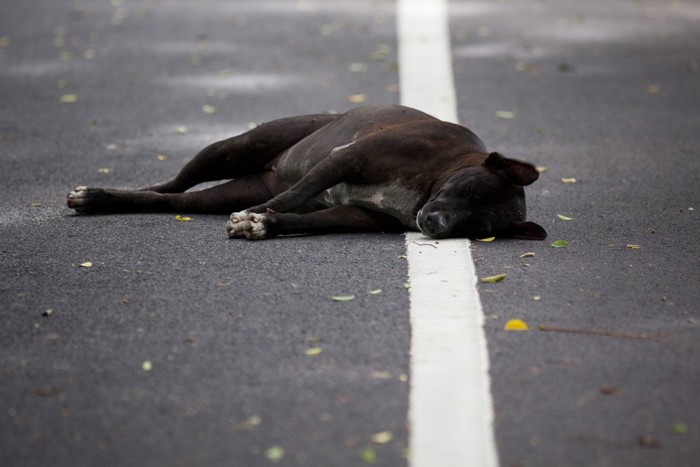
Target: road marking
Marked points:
450	407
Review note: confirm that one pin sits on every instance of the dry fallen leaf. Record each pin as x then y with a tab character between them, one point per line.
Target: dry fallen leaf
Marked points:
342	298
209	109
505	114
515	325
162	157
633	247
568	180
529	254
68	98
382	437
380	52
380	374
356	98
494	279
358	67
86	264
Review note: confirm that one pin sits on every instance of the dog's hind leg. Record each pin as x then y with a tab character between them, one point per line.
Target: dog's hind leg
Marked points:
221	199
244	154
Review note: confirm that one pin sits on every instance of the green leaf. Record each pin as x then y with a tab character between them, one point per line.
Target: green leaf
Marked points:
368	455
679	429
560	244
342	298
274	453
494	279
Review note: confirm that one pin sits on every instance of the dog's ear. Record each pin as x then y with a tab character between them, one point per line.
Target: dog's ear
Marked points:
524	231
519	173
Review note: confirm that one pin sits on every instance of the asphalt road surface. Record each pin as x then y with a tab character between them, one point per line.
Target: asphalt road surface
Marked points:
179	347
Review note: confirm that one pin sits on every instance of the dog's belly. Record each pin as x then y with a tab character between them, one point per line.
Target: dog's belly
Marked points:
394	199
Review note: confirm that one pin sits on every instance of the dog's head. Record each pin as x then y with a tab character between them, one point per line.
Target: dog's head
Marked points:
482	201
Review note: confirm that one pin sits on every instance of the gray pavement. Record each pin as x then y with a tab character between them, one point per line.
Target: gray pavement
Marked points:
604	92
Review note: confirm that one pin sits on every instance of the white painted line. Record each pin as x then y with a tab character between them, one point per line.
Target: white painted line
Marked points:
450	407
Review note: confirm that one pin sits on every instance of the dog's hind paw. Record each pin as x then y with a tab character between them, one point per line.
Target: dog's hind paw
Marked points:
247	225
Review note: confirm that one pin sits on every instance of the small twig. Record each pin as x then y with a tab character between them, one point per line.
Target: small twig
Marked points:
423	244
596	332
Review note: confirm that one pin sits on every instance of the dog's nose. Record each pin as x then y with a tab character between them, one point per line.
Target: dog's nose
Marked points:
435	223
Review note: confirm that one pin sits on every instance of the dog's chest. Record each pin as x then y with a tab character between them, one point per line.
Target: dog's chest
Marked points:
390	198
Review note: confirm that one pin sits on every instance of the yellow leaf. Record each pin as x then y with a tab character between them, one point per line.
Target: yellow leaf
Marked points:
494	279
313	351
486	240
568	180
515	325
209	109
382	437
86	264
356	98
529	254
182	218
162	157
68	98
375	292
633	247
562	217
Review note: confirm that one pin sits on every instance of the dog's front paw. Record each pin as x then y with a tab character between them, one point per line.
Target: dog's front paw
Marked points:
83	199
249	225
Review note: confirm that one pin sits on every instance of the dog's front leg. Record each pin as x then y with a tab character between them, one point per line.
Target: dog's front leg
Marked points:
337	219
251	223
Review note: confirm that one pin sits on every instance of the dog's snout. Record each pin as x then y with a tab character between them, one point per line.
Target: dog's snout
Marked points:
434	223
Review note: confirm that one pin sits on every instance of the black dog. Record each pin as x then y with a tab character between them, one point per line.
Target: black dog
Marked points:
374	168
